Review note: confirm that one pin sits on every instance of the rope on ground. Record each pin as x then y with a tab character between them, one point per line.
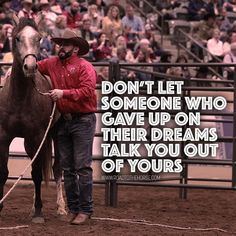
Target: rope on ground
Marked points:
35	155
148	223
15	227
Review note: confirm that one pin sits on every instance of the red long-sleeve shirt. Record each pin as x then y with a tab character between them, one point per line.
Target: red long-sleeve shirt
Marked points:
77	78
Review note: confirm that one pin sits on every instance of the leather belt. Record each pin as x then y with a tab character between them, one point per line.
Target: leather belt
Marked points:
72	116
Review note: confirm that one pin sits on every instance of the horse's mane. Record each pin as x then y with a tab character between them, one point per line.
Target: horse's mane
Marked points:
23	21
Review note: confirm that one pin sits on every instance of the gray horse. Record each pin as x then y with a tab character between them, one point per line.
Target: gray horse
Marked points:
24	112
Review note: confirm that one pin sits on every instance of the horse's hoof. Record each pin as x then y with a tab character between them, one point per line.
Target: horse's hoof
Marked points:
38	220
61	212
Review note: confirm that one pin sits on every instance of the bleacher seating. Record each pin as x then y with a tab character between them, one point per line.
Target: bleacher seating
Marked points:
231	16
181	13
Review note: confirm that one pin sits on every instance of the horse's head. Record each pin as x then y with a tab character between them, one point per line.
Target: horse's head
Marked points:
26	45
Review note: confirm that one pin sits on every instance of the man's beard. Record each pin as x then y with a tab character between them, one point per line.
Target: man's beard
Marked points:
73	12
63	55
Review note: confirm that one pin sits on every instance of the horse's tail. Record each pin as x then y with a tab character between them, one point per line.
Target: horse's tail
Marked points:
47	161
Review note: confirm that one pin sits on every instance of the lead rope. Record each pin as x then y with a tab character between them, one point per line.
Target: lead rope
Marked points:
35	155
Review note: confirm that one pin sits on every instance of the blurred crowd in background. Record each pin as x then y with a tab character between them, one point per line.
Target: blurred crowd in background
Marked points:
116	32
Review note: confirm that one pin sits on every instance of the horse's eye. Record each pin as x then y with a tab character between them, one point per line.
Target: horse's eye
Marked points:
17	39
38	39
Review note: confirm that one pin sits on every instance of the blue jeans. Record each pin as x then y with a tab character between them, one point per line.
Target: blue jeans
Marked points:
75	143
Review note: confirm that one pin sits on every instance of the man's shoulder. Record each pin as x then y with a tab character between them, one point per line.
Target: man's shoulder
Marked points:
124	18
84	63
53	59
49	61
85	66
137	18
211	40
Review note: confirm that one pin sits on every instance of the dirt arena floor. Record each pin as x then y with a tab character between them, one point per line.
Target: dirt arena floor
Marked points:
203	209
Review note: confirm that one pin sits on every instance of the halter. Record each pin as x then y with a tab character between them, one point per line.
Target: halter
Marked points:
30	54
37	89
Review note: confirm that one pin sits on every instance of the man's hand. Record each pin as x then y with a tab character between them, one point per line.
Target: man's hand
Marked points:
56	94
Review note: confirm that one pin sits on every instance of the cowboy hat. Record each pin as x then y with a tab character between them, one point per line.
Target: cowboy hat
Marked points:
43	2
71	37
56	9
27	1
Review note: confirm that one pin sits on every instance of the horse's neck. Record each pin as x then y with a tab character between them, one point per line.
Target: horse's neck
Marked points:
20	85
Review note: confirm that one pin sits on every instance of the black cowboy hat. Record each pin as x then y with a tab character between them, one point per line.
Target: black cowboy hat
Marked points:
70	36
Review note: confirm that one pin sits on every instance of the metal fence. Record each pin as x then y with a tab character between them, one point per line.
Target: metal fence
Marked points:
111	185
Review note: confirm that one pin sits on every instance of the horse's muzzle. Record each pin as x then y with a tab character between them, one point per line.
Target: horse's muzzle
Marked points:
30	65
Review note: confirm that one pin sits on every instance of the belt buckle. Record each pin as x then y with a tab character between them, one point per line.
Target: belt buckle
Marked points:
67	116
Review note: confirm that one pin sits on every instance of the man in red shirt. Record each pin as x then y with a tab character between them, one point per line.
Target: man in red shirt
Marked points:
73	16
74	83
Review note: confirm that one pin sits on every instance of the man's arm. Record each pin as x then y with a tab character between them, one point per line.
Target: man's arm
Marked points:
86	86
43	67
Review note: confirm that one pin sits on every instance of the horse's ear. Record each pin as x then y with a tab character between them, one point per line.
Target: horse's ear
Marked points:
15	19
39	18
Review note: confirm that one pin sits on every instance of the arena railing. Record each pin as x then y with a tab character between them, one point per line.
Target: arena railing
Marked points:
184	42
184	180
188	41
111	185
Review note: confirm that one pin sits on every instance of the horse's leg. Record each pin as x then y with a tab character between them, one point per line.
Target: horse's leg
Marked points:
4	152
37	179
61	206
37	173
57	172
